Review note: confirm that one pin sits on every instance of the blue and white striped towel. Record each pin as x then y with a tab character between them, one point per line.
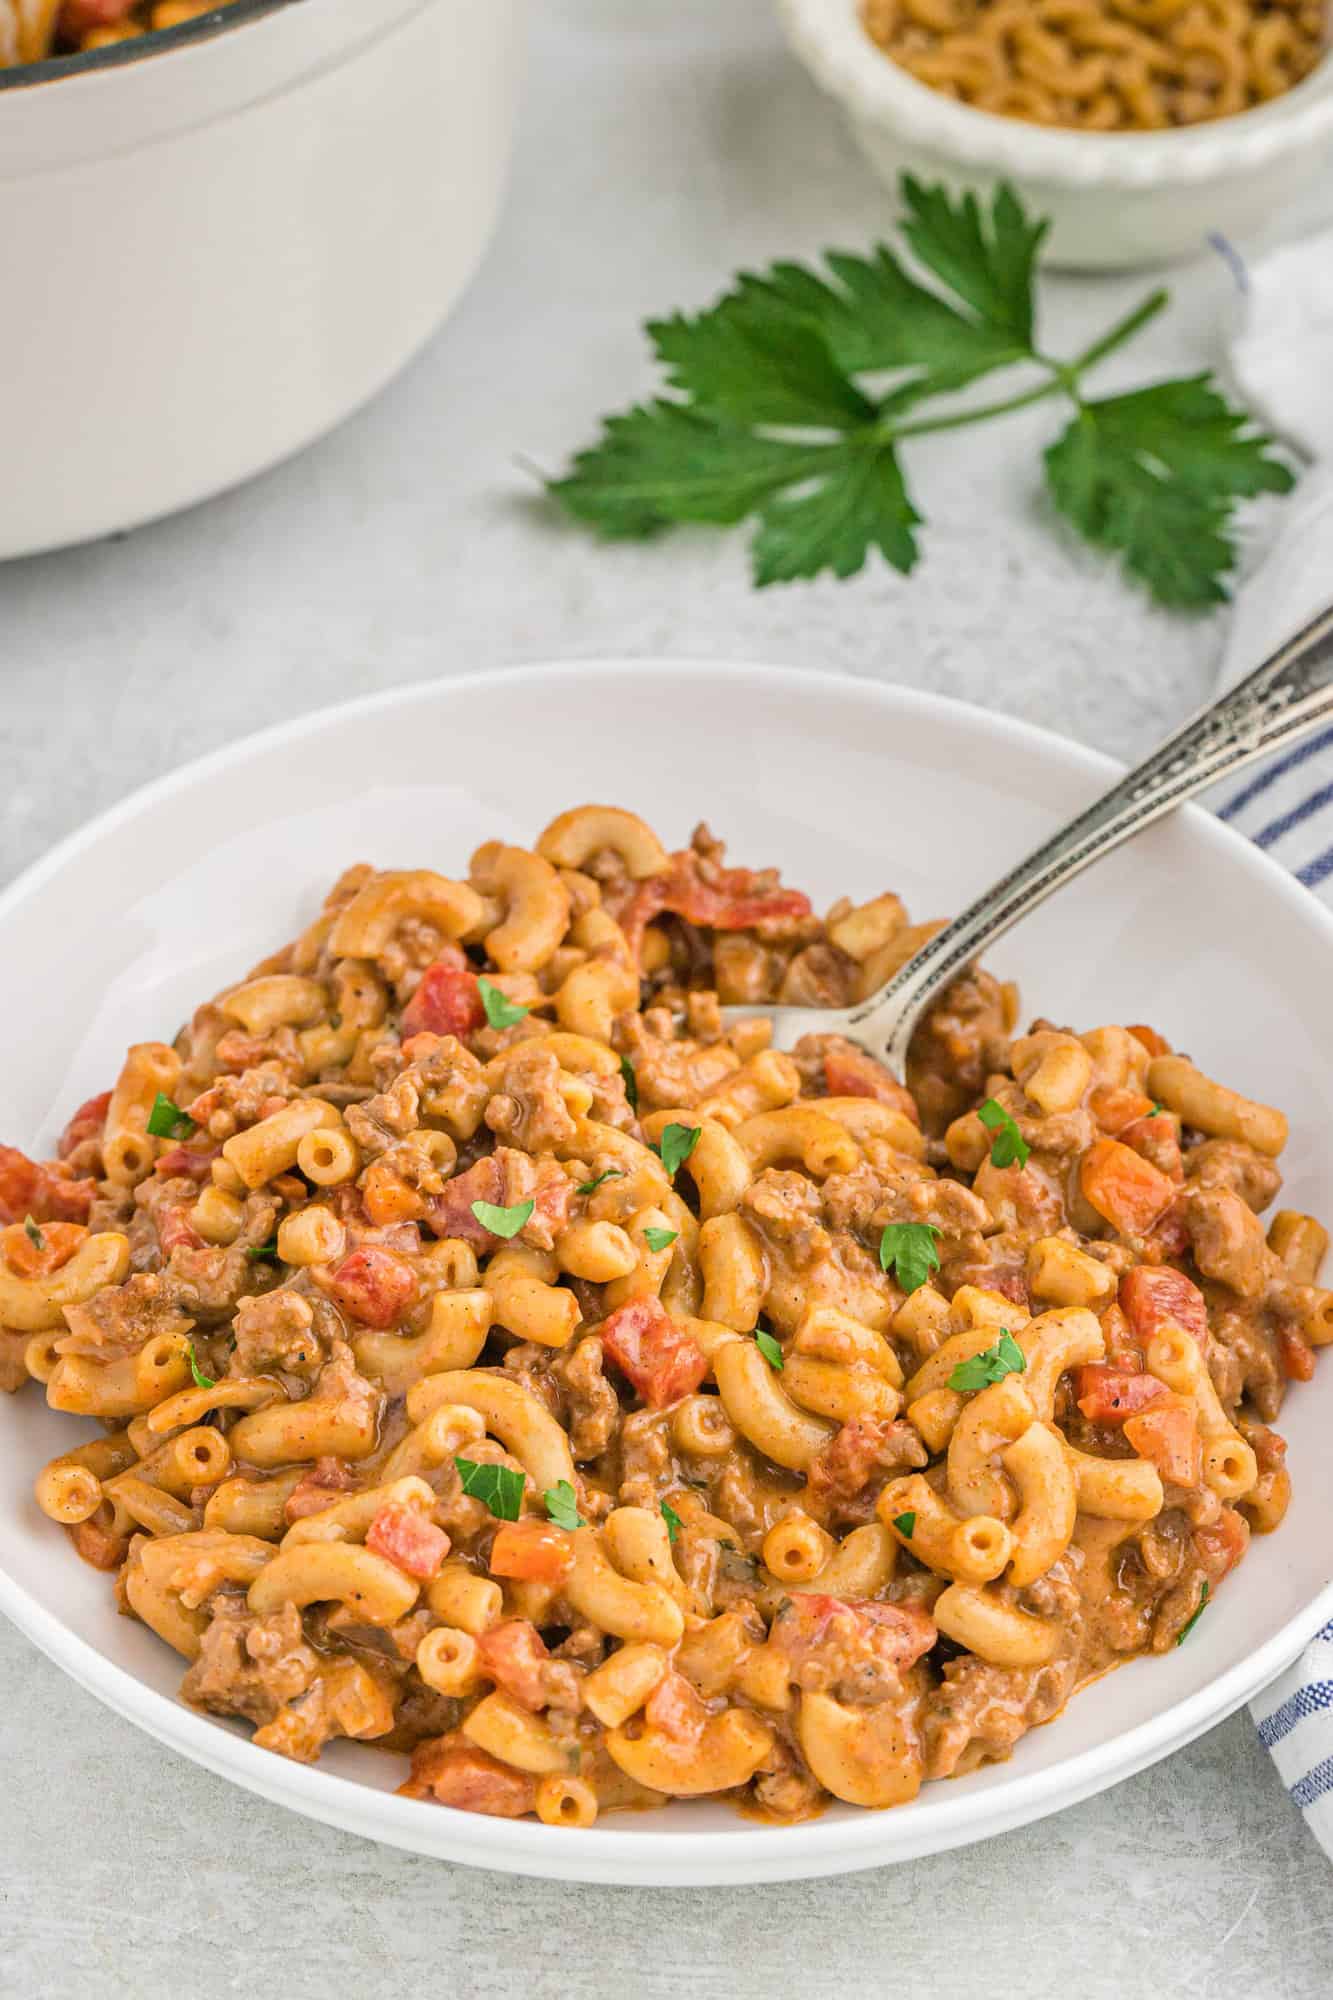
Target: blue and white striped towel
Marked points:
1281	356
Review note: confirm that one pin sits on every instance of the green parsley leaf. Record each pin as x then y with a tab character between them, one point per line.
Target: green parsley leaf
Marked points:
611	1174
1156	1111
678	1142
658	1239
905	1523
1010	1148
256	1251
498	1487
1005	1357
503	1221
501	1011
33	1233
1155	476
167	1121
746	362
673	1521
201	1381
769	1348
562	1504
765	415
631	1083
1190	1623
909	1247
988	260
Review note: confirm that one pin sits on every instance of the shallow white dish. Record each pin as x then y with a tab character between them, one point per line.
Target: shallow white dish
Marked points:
849	787
1115	199
220	240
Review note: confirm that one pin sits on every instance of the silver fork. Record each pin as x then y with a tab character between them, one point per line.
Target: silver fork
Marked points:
1279	701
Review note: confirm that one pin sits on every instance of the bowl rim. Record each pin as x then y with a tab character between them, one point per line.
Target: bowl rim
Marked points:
219	20
687	1857
831	40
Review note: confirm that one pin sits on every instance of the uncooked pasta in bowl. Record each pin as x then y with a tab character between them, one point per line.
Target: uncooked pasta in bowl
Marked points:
1104	65
1139	128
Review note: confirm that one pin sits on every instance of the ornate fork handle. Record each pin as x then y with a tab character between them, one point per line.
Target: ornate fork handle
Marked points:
1277	702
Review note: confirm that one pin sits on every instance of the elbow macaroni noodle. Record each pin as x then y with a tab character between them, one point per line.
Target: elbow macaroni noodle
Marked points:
549	1395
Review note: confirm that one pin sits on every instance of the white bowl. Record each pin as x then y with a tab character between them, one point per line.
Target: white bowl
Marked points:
1115	199
216	243
850	787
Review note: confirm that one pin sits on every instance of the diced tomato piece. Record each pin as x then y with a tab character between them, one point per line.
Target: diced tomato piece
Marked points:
1156	1138
533	1551
81	17
193	1163
40	1190
447	1002
1296	1355
450	1213
59	1241
674	1709
1221	1545
404	1536
1121	1350
656	1353
1155	1044
1114	1107
374	1285
729	902
319	1488
515	1656
1109	1395
467	1779
1153	1295
1127	1190
1169	1238
86	1123
850	1072
1167	1435
175	1230
859	1628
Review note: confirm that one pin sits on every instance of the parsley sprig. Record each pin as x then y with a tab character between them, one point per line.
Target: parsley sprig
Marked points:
769	417
979	1371
908	1249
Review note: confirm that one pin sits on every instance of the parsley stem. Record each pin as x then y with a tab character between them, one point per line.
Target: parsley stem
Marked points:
978	416
1124	330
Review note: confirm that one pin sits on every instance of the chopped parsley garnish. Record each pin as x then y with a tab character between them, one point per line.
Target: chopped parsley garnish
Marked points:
678	1142
1156	1111
201	1381
562	1504
33	1233
631	1082
673	1521
167	1121
256	1251
501	1011
659	1239
909	1248
1194	1617
769	1348
905	1523
1005	1357
611	1174
1010	1148
498	1487
503	1221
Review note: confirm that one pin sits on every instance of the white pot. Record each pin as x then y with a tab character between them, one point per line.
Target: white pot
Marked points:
212	252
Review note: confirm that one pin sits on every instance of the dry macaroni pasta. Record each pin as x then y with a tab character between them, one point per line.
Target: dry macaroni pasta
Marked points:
1104	65
500	1360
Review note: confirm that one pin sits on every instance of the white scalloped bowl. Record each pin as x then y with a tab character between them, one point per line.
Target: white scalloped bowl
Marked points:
1115	199
848	787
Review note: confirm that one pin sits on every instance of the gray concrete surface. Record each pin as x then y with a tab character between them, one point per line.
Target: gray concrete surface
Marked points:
665	142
